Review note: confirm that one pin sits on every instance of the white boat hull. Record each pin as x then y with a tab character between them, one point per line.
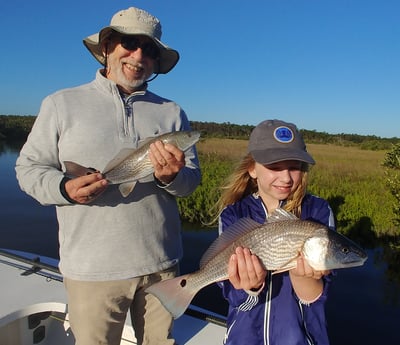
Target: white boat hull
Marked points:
33	309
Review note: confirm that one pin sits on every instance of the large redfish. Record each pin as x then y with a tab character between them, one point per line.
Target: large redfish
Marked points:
277	243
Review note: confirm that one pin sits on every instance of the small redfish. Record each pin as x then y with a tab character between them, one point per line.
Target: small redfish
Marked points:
130	165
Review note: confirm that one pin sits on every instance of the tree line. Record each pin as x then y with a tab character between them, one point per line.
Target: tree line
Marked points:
16	127
234	131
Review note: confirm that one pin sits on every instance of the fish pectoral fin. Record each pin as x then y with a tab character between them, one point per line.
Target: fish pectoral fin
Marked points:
127	188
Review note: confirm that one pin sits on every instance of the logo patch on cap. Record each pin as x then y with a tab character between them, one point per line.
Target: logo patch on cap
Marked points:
283	134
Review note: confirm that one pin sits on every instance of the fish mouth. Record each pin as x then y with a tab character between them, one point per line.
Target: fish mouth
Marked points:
358	260
356	263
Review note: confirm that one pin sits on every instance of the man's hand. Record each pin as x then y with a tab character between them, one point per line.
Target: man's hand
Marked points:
85	189
167	160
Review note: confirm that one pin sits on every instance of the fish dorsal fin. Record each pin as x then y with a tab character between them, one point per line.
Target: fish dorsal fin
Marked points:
279	215
148	140
118	159
238	229
229	236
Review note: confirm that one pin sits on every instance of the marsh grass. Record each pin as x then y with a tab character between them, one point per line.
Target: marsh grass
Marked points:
351	179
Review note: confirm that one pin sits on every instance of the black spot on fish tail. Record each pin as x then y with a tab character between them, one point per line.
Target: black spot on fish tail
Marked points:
92	171
183	282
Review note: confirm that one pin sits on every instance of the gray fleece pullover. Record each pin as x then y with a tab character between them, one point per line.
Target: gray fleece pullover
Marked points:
113	237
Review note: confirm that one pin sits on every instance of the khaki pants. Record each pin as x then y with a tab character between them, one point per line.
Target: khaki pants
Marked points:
97	310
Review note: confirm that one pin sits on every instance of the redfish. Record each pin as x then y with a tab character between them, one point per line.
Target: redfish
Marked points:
130	165
278	243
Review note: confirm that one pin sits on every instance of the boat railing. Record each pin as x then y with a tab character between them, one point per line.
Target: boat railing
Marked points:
48	268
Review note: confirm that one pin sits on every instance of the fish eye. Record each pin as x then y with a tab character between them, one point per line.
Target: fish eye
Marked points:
345	250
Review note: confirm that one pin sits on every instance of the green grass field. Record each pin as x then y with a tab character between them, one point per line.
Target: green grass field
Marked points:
351	179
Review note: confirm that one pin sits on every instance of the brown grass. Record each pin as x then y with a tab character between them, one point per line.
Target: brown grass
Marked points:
232	149
351	160
347	160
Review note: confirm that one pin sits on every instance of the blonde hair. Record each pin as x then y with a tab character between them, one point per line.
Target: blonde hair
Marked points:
240	184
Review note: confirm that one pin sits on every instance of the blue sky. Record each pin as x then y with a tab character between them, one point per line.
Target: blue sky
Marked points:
326	65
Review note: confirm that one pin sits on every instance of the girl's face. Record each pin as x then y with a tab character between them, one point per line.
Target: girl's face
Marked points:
276	181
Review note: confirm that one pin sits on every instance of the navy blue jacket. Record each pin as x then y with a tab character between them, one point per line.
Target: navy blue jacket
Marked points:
275	316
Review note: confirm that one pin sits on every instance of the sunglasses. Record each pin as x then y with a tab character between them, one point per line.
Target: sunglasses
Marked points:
132	43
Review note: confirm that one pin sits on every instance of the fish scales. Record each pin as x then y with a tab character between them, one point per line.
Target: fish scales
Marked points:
281	242
134	165
276	244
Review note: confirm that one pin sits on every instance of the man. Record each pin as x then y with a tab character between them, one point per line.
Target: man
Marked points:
112	247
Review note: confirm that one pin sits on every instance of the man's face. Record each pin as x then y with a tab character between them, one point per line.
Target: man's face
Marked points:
130	60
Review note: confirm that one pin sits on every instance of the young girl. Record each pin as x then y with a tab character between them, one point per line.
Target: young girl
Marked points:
286	308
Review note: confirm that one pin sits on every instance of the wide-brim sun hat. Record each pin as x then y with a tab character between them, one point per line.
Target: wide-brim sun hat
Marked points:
134	21
273	141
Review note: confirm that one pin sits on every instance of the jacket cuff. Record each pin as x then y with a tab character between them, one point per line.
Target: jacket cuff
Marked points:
161	183
64	192
307	303
253	292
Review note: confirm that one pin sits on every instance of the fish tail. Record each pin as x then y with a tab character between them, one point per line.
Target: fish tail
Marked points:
74	169
174	294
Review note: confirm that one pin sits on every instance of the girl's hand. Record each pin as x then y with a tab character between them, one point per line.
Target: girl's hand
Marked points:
245	270
303	269
306	281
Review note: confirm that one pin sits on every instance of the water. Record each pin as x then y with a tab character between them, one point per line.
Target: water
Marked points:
360	308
